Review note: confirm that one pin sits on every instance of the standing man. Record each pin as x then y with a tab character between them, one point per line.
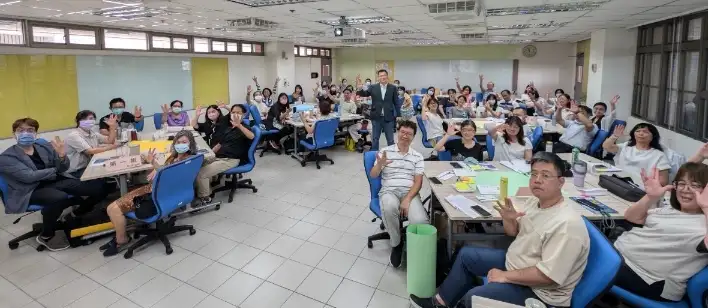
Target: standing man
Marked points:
383	108
485	91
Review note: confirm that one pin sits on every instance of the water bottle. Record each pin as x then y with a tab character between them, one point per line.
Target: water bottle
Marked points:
549	146
576	153
133	132
580	168
533	303
553	120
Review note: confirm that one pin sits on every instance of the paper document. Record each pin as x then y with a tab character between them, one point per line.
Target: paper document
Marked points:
488	190
592	191
519	166
597	168
464	205
488	166
445	175
465	172
486	198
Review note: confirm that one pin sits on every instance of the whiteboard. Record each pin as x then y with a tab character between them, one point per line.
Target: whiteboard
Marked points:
149	82
441	73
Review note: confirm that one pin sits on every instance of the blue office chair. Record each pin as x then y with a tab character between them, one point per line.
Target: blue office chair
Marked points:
595	147
336	107
36	228
416	100
537	136
614	124
173	188
257	121
140	125
374	204
479	97
323	137
696	295
490	147
157	119
423	91
423	132
236	182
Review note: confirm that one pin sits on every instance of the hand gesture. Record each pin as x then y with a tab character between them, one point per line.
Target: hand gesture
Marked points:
573	106
497	276
503	127
151	175
200	110
652	184
702	197
235	120
249	89
457	79
220	104
451	130
405	204
138	111
255	79
277	80
703	151
149	157
507	210
112	121
619	131
165	108
382	160
58	146
614	101
481	77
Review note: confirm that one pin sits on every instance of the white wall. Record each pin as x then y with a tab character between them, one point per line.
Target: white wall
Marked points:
553	67
241	73
303	68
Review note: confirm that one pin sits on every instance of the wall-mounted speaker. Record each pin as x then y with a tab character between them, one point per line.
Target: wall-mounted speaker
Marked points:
314	75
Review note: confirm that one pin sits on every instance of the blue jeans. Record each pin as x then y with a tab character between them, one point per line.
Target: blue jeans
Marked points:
460	285
378	125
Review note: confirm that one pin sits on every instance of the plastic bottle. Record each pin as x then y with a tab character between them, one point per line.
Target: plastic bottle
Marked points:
576	153
580	168
549	146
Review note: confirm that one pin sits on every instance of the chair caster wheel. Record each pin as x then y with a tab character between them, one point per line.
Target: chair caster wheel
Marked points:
41	248
370	244
136	236
302	163
217	207
331	163
192	232
318	167
169	250
255	190
128	254
382	227
13	246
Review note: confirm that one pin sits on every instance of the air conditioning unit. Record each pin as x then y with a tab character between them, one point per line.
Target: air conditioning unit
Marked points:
252	24
457	10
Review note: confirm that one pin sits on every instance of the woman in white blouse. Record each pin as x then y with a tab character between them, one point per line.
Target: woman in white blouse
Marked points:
642	152
510	142
432	119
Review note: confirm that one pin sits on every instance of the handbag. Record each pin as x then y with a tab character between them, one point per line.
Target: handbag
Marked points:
349	144
144	207
621	187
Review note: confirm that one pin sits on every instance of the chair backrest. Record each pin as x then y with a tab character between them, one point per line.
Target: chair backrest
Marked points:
596	144
374	183
247	113
490	147
256	114
479	96
3	189
676	160
157	118
537	136
336	107
615	123
421	126
697	289
173	186
323	134
416	99
254	144
423	90
140	125
602	267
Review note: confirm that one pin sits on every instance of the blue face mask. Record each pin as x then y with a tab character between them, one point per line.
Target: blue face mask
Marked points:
181	148
25	138
117	111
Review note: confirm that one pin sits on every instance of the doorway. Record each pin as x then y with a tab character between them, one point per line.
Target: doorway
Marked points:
326	72
579	76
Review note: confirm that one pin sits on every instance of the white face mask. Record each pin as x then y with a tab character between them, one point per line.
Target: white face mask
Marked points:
258	98
368	83
430	92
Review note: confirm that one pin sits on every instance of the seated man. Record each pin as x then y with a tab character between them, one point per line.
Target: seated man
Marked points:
401	171
230	152
33	174
545	261
579	132
117	106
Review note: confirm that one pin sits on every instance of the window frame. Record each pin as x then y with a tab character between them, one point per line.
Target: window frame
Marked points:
29	35
666	49
25	31
321	52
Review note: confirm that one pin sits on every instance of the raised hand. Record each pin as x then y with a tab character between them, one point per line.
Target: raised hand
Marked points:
507	210
235	120
452	130
220	104
149	157
703	151
165	108
573	106
112	121
138	111
481	77
457	79
619	131
701	197
249	89
255	79
614	101
652	184
59	146
383	161
200	110
277	79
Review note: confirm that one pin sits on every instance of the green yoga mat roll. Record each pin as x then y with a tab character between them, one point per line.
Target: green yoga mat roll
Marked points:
422	251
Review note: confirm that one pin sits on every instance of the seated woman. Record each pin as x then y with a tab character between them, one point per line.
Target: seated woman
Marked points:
213	121
492	108
257	100
267	93
461	109
173	115
643	151
668	244
432	119
83	142
298	95
34	174
462	148
183	147
539	106
465	91
601	118
407	110
277	115
326	113
510	142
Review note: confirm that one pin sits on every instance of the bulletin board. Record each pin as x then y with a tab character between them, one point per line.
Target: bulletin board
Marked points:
388	65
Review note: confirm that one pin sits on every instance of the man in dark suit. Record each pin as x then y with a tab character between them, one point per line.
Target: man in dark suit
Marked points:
383	109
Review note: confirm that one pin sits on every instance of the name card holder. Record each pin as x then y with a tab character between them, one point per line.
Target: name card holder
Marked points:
122	163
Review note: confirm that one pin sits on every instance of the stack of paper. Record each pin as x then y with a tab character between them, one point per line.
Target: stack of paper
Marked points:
465	172
599	168
446	175
519	166
464	205
488	189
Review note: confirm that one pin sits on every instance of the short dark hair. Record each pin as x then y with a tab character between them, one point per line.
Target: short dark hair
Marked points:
243	108
382	71
114	101
468	123
600	104
83	114
349	89
567	97
325	105
468	88
451	90
655	137
407	123
396	81
551	158
402	88
586	109
696	172
25	121
172	104
518	108
558	90
507	91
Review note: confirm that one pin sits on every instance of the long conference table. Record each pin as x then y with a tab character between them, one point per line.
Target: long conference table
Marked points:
481	124
455	216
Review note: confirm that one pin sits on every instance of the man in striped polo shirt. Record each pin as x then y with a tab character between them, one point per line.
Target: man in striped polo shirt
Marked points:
401	171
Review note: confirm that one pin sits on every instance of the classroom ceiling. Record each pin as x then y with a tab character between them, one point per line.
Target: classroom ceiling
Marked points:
385	23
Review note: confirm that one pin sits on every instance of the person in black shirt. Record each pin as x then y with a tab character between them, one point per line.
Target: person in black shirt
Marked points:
117	106
231	151
277	115
213	123
464	147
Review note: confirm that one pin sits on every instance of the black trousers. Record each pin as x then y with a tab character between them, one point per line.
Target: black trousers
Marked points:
54	198
629	280
560	147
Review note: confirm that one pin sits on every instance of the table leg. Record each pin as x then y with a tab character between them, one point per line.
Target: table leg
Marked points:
295	155
123	184
449	238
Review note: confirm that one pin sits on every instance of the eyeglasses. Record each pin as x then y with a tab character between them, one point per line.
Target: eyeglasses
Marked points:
26	130
542	176
684	186
401	132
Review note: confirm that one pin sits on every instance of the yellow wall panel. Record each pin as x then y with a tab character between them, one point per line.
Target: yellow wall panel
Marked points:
52	91
12	93
210	81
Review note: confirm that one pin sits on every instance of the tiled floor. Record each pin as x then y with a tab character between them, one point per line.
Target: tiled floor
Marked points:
299	242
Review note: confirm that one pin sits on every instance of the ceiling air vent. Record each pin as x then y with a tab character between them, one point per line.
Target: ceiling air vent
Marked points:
470	36
459	10
252	24
264	3
354	41
527	26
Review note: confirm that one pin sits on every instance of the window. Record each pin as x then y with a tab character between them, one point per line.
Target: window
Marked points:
304	51
82	37
161	42
246	47
671	74
48	35
295	51
231	47
309	51
201	44
11	33
119	39
258	48
218	46
180	43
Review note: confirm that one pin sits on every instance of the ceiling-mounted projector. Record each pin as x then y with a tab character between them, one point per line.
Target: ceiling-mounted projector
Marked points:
338	32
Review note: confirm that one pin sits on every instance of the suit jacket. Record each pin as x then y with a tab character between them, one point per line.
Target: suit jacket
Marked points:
387	103
22	176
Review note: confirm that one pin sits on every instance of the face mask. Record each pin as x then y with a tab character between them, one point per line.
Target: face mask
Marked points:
430	92
25	138
86	124
181	148
397	84
117	111
333	91
368	83
258	98
176	109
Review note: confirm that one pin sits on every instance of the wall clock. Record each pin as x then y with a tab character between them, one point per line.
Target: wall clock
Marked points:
529	51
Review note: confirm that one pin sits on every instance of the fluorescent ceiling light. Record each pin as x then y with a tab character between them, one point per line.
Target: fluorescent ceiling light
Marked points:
264	3
358	21
122	3
527	26
547	8
393	31
10	3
